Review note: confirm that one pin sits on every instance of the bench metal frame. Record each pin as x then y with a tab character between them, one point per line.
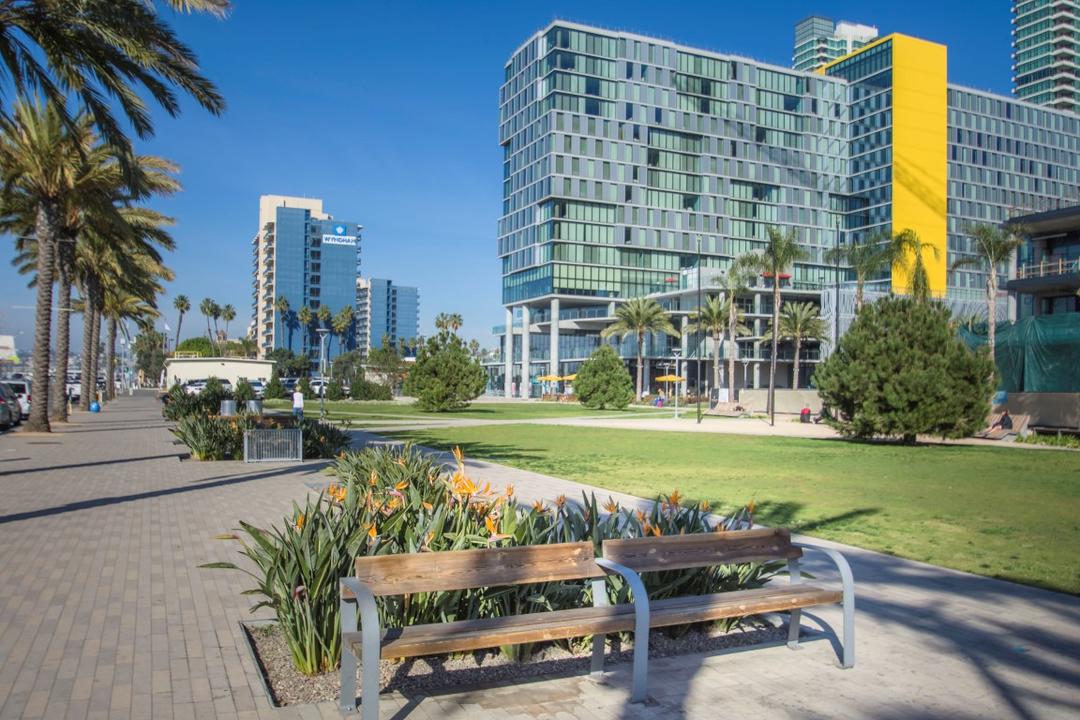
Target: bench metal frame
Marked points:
847	580
363	600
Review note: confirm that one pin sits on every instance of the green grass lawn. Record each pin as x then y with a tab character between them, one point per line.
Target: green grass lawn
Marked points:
369	411
1007	513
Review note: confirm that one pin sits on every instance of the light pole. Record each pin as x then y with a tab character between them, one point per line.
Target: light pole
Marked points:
322	371
700	330
676	352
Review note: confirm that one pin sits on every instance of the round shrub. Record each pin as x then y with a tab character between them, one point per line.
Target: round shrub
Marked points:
603	381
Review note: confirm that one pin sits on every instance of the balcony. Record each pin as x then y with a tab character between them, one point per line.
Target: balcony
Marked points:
1049	275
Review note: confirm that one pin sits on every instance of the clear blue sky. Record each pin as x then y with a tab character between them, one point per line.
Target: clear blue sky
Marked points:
388	111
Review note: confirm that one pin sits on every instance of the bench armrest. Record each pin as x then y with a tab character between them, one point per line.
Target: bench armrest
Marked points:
371	639
847	579
637	587
641	624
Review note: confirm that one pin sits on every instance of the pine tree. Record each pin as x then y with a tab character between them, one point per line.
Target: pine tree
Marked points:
445	377
603	381
901	371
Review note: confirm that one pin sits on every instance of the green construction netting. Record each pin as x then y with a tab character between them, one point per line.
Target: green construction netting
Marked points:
1035	354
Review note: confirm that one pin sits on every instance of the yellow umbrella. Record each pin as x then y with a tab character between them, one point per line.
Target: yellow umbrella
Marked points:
569	378
670	378
549	378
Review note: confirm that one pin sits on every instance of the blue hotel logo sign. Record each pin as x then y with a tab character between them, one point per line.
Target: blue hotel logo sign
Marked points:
339	237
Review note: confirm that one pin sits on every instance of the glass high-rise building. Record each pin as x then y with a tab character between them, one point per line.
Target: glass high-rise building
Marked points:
624	155
385	311
308	258
1046	52
820	40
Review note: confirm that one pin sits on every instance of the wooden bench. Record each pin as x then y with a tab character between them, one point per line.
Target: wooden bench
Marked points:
458	570
385	575
1019	427
679	552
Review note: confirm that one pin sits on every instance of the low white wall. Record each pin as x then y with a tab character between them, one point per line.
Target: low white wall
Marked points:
232	369
1058	410
787	401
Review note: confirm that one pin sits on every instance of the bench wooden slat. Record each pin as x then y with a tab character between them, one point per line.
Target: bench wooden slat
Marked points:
464	635
676	552
464	569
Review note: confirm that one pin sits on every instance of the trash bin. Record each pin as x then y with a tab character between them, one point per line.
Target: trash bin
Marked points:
254	407
228	408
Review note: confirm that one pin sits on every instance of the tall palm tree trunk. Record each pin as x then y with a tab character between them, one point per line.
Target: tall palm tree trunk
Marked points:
795	379
775	337
89	380
640	363
991	306
718	338
179	322
45	231
110	358
858	293
210	335
733	328
65	252
95	355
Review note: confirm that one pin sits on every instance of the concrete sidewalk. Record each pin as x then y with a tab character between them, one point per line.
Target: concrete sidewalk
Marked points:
106	615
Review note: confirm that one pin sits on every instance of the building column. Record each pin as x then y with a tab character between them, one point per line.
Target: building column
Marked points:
555	337
684	345
525	384
508	356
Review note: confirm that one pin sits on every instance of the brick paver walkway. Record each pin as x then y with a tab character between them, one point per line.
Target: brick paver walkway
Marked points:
103	612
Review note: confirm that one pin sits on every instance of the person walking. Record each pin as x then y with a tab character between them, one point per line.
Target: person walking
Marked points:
298	404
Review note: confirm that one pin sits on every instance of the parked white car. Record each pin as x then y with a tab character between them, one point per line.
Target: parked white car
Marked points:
21	389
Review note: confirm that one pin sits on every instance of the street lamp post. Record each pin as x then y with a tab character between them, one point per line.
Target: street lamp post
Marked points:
676	352
322	371
700	330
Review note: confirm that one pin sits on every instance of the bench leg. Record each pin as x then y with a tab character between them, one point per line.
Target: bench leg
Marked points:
849	633
348	660
600	599
793	629
369	668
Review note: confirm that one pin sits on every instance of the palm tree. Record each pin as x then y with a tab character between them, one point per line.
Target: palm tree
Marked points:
442	322
119	306
995	246
799	322
638	317
341	324
206	307
216	314
99	52
41	161
776	258
455	322
228	314
305	316
734	284
182	305
866	260
908	253
281	305
712	318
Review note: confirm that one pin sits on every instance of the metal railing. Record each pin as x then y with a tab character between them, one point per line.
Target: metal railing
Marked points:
1059	266
274	445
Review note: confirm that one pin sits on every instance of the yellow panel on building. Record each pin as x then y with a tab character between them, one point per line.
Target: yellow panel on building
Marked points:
920	154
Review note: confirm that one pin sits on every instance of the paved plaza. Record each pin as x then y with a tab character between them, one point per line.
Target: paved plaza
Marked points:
105	613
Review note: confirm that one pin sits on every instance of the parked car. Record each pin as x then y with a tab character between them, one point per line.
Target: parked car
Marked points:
10	412
194	387
289	383
21	388
259	387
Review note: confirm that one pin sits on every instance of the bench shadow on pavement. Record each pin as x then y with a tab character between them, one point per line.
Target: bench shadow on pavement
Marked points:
192	486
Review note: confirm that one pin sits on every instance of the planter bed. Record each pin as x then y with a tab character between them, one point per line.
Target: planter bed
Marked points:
439	673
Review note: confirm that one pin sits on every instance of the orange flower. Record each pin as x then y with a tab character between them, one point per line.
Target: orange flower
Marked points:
372	532
560	501
428	506
611	506
674	498
657	531
538	506
751	506
402	485
459	456
704	506
373	478
300	522
509	491
640	516
490	525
